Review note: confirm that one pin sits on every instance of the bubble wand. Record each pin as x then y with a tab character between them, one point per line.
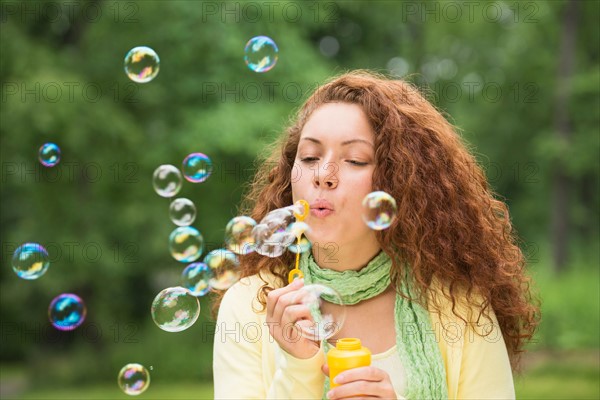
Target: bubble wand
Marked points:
296	273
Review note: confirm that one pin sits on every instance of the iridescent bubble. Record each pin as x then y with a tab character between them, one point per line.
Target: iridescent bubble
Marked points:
175	309
49	154
300	247
30	261
327	310
167	180
142	64
271	235
260	54
238	235
197	167
67	311
196	277
186	244
225	266
134	379
379	210
182	212
298	229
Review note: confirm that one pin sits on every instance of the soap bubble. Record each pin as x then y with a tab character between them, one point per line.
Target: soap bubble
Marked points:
225	266
379	210
182	212
186	244
30	261
175	309
49	154
327	310
197	167
301	247
167	180
238	235
134	379
142	64
298	229
271	235
261	54
67	311
196	277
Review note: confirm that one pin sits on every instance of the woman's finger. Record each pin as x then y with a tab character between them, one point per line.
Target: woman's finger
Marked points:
363	381
369	373
274	295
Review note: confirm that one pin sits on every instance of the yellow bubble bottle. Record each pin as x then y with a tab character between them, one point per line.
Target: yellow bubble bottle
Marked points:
347	354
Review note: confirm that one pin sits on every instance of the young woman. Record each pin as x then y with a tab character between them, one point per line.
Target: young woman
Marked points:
440	297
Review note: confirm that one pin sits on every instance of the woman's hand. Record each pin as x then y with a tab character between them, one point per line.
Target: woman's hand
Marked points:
363	382
284	309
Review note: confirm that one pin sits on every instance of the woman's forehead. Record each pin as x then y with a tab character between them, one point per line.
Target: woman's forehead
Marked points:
343	123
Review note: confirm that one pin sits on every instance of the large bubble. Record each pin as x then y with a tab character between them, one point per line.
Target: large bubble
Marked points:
133	379
49	154
182	212
67	311
197	167
30	261
238	235
142	64
167	180
186	244
379	210
225	266
175	309
272	235
261	54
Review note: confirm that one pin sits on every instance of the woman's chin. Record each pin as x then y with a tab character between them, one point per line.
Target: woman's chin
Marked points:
323	239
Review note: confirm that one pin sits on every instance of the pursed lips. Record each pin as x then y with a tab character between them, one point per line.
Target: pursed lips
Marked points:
321	208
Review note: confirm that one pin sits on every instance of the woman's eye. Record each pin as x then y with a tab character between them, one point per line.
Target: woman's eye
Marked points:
308	159
356	162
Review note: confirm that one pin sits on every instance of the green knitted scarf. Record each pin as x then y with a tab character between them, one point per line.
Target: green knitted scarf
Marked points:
419	352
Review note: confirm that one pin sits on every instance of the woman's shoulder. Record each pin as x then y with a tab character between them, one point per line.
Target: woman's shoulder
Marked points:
462	305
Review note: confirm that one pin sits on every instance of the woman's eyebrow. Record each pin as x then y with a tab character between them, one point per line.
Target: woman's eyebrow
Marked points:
311	139
347	142
344	143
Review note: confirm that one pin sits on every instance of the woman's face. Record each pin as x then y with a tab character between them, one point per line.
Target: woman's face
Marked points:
333	171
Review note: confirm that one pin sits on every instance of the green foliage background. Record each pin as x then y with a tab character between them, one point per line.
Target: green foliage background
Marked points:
495	75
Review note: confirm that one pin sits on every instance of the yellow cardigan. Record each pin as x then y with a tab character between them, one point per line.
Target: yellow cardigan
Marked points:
249	364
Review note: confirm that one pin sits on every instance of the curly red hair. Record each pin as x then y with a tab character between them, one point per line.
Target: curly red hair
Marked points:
449	227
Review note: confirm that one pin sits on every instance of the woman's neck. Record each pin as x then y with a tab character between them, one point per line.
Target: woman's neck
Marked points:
345	258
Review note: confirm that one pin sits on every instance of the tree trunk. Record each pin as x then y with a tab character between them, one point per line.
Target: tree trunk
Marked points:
563	129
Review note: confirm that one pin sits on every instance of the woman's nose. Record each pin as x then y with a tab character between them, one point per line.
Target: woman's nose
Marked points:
326	175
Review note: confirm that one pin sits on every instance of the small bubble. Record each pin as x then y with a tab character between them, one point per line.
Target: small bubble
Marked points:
261	54
186	244
142	64
379	210
30	261
67	311
49	154
167	180
182	212
197	167
133	379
